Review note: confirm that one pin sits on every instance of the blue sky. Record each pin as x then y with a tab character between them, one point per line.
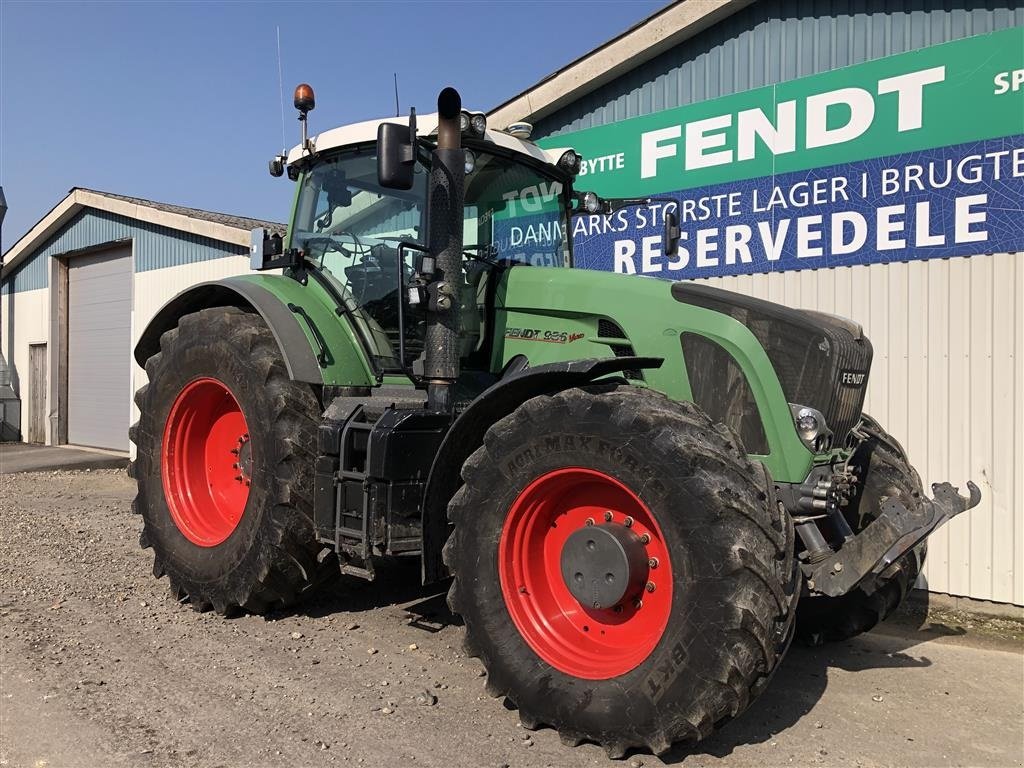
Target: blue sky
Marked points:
179	102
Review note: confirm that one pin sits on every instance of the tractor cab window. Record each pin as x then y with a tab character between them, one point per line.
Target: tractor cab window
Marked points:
513	212
351	228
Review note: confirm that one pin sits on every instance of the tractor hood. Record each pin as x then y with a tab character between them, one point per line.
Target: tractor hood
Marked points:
822	360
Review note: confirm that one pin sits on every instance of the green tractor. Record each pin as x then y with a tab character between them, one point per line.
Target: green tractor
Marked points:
631	483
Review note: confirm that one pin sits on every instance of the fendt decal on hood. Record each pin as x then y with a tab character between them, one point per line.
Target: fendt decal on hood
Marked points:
853	379
536	334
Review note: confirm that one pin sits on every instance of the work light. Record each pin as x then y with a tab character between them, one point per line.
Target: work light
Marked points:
570	161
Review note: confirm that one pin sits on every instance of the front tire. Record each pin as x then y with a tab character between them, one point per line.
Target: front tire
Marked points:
226	447
706	557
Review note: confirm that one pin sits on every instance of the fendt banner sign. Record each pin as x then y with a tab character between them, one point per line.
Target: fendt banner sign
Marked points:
910	157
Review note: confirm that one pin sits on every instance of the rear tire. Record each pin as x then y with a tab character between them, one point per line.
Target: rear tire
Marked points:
247	543
726	580
887	472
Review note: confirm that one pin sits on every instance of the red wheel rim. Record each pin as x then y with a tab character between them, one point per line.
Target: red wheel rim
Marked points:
579	640
206	462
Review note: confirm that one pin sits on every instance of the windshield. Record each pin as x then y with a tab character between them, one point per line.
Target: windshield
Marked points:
512	212
351	227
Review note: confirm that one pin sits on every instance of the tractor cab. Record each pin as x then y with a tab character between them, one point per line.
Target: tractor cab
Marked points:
370	240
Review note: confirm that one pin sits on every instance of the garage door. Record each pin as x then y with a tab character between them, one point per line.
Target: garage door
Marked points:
99	348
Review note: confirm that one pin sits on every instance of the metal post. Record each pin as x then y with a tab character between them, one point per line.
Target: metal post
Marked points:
3	213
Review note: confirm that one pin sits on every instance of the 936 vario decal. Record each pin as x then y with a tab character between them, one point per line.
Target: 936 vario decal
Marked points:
537	334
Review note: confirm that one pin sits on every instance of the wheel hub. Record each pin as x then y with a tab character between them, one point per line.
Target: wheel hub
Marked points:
601	564
243	464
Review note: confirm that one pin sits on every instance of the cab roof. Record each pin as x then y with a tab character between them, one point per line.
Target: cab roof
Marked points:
426	125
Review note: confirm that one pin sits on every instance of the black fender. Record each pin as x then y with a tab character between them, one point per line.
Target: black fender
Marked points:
299	357
467	434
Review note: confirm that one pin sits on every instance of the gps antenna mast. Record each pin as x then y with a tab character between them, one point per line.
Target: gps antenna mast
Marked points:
280	90
398	111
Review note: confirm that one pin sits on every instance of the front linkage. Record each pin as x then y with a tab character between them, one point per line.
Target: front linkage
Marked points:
899	528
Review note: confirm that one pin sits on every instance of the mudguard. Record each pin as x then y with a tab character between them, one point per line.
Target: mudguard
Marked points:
467	434
317	345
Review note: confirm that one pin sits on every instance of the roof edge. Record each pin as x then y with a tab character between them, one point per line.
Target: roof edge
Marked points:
640	43
79	198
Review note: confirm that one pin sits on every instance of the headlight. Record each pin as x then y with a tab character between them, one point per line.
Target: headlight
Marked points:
591	202
811	427
570	161
470	161
463	122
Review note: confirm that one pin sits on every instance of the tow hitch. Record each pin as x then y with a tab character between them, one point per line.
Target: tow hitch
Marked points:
897	530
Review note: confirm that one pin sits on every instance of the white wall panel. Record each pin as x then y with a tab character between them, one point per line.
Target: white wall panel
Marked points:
30	325
948	382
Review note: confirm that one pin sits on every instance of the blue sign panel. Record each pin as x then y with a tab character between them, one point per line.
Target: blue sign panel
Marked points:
934	203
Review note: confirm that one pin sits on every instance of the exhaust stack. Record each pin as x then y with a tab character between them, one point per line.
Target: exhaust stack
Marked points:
445	199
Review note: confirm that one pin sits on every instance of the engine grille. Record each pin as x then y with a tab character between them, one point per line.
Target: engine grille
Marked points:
821	360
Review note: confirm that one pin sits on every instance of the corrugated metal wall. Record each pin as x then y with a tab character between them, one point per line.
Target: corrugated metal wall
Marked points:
156	247
948	376
29	276
773	41
948	382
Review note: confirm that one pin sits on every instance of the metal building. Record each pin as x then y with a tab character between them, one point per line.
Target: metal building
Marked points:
948	332
78	289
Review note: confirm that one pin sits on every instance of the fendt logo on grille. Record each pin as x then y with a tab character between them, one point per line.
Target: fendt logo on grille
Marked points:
852	378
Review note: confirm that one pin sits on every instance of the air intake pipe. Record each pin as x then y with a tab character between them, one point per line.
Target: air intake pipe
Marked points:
446	194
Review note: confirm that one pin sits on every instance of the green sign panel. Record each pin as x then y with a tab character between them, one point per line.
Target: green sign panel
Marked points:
948	94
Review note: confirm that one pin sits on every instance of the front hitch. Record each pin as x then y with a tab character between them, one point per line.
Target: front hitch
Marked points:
899	528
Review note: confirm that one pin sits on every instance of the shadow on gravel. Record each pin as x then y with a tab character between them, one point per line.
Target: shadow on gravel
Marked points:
803	677
397	585
797	686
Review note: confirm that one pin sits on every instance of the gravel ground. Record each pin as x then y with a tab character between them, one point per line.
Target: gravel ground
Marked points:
99	666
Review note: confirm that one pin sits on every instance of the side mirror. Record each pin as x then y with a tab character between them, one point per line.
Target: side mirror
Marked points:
396	154
670	238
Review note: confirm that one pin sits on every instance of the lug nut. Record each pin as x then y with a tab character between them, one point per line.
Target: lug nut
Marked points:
628	522
638	603
650	586
590	521
608	516
618	609
645	539
652	563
